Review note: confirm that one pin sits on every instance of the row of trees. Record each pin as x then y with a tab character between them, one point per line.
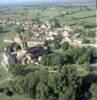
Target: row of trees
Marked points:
62	83
55	83
1	29
42	84
86	33
70	55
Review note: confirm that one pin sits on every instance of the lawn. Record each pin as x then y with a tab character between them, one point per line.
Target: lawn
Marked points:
3	73
16	97
10	31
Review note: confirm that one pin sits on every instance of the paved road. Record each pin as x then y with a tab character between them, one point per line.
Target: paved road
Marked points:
83	45
79	44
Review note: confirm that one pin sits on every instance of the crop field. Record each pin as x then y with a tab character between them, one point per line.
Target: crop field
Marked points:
64	13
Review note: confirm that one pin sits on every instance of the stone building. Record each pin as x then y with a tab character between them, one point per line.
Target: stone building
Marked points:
7	59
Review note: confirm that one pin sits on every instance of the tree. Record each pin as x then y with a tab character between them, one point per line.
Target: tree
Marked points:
81	55
67	13
69	94
53	84
29	84
42	87
93	55
83	58
65	46
46	60
57	41
64	83
55	59
1	29
55	23
69	75
86	40
19	29
26	85
36	20
42	91
17	85
93	90
17	69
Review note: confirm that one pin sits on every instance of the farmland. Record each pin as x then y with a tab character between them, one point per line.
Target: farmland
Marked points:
74	16
82	17
67	15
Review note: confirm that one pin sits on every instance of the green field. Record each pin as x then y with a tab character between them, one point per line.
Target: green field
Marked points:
3	74
10	31
76	15
46	13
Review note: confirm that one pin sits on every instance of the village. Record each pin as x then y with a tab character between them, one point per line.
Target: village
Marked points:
30	45
29	48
